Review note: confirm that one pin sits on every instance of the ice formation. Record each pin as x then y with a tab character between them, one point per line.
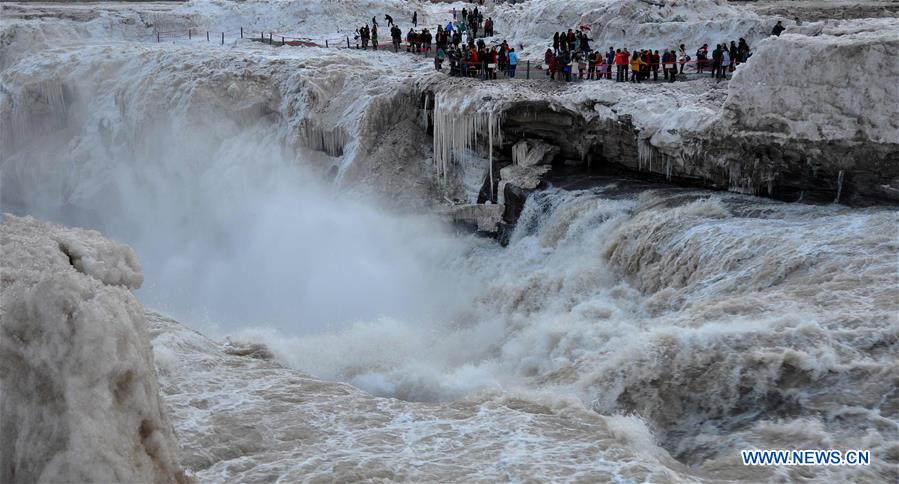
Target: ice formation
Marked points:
458	127
533	152
80	398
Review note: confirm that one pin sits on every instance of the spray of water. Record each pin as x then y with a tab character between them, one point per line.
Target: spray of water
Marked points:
233	227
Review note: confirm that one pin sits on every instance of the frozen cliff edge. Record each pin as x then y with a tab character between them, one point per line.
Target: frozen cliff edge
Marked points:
825	101
78	387
809	117
845	89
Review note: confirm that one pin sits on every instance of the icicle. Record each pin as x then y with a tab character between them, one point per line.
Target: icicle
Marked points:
490	129
456	131
644	153
29	119
423	121
329	141
839	186
519	152
53	92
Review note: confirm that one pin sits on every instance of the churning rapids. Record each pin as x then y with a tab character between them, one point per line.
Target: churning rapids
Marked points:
628	331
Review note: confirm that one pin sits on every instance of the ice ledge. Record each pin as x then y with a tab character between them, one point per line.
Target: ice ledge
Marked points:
86	250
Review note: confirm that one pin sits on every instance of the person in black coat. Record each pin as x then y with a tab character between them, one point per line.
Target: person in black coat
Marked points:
717	55
610	60
778	29
743	50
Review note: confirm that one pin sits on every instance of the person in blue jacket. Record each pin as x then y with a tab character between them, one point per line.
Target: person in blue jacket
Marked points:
513	62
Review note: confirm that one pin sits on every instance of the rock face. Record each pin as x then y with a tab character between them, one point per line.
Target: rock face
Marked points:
79	398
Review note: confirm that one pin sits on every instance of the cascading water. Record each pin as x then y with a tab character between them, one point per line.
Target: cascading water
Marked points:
644	304
208	188
686	308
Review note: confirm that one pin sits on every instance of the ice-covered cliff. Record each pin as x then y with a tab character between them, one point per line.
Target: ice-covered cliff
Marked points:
79	398
807	117
828	82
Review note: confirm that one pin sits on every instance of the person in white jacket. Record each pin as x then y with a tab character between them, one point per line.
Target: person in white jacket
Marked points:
725	61
682	57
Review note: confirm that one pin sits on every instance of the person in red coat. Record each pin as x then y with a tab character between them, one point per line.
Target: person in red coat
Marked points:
550	60
621	62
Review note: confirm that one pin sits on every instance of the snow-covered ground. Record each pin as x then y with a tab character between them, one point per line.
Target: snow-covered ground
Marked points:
634	24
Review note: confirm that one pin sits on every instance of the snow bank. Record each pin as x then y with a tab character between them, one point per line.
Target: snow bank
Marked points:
31	27
79	399
628	23
322	19
834	81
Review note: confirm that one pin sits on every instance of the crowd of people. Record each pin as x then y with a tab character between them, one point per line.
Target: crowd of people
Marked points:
572	58
457	42
473	21
455	32
476	59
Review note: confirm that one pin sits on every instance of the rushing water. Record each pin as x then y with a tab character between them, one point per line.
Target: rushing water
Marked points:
721	322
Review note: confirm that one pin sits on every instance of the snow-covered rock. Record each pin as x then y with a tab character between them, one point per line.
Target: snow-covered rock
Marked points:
533	152
834	82
483	217
627	23
527	177
809	116
79	398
